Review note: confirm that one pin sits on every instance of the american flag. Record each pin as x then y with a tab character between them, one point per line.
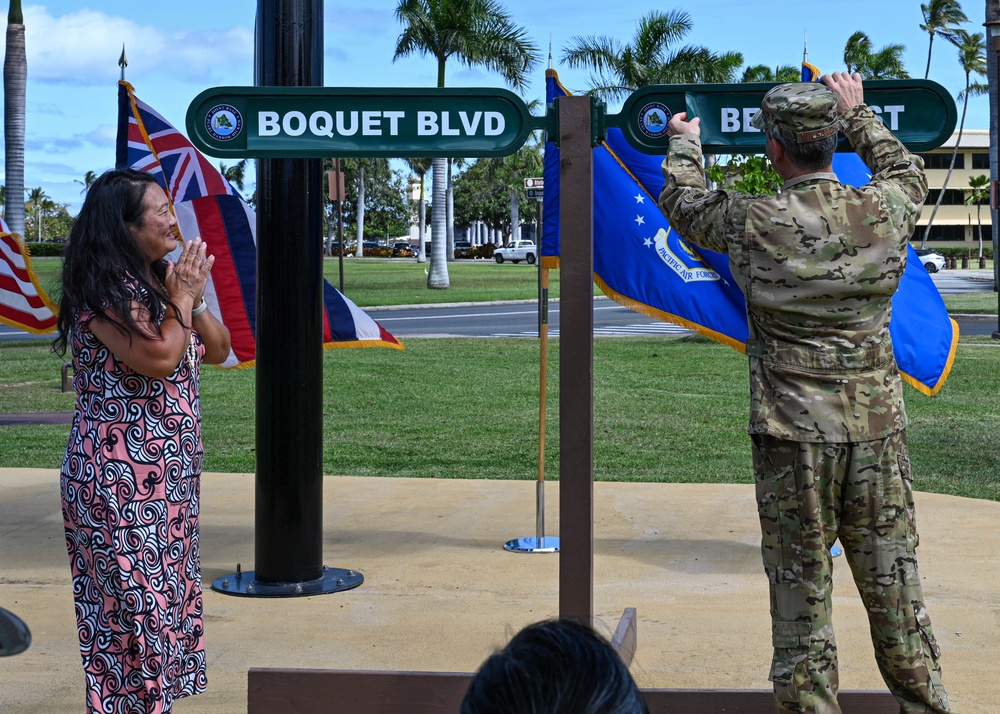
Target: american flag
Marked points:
206	205
23	303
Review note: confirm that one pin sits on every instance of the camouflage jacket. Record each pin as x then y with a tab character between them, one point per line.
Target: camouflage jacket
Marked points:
818	264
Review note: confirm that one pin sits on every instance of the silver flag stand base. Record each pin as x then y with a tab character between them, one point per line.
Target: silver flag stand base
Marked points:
531	544
539	543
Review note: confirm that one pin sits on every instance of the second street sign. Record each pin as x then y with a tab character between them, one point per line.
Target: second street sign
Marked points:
318	122
921	114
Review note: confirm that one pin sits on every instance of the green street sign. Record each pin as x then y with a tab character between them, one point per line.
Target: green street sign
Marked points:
318	122
919	112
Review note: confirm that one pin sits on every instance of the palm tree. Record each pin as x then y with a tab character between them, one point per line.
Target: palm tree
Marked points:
3	201
235	174
648	59
972	57
763	73
38	198
941	17
89	178
420	168
15	77
884	63
978	195
476	33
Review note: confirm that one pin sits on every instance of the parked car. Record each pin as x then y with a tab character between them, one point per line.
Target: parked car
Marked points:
930	259
402	249
516	252
463	249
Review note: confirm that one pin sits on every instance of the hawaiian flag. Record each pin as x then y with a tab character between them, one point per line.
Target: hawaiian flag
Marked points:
641	263
206	205
23	302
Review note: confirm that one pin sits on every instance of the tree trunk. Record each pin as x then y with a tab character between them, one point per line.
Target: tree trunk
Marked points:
951	166
451	215
359	248
437	277
930	46
979	223
422	218
515	217
15	77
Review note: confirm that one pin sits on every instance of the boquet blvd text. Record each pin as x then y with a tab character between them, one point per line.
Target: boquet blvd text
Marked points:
391	123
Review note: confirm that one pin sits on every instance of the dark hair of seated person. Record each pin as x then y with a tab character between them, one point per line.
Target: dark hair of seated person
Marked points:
554	667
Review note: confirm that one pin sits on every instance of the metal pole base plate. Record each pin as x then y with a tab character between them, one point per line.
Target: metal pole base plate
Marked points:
531	544
244	584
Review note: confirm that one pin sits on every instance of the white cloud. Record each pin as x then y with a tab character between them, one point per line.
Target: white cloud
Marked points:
83	48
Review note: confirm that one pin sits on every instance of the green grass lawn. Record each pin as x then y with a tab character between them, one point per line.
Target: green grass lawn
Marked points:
666	409
401	281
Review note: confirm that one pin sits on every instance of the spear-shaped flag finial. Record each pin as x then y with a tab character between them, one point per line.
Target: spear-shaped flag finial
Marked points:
123	62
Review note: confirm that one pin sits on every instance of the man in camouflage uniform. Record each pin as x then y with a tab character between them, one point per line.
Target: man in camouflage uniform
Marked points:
818	264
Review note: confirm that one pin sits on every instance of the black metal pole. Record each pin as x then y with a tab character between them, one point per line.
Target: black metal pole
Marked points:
992	21
289	518
288	543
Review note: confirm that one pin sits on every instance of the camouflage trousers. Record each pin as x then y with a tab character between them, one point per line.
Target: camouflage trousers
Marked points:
808	495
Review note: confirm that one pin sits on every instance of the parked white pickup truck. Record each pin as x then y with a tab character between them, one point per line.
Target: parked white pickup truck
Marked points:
516	252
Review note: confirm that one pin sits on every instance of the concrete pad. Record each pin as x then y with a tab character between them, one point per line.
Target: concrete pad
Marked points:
441	593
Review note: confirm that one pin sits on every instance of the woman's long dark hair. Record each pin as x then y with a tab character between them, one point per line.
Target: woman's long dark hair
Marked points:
102	254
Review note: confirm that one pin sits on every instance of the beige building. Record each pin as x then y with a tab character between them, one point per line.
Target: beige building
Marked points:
955	224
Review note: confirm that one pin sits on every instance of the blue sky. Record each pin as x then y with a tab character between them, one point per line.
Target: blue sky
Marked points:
177	49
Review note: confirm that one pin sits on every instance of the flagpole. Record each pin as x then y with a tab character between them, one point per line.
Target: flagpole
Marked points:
540	543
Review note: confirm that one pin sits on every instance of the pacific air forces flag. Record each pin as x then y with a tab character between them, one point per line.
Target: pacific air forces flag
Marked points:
206	205
641	263
23	302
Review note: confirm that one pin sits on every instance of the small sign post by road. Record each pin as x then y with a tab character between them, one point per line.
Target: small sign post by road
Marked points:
535	188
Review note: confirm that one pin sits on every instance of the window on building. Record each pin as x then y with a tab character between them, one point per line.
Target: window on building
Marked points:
942	160
981	161
946	233
952	197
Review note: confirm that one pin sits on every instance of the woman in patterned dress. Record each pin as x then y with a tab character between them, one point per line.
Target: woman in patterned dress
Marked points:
138	328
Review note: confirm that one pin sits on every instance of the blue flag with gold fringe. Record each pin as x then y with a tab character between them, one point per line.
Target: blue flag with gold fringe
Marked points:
641	263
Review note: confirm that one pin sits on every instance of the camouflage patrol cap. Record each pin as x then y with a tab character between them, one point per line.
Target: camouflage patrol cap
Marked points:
802	111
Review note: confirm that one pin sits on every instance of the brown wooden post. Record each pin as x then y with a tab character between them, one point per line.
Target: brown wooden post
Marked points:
576	361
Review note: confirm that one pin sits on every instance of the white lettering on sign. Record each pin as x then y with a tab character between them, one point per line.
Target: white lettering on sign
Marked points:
731	119
435	124
427	123
268	123
294	123
893	110
379	123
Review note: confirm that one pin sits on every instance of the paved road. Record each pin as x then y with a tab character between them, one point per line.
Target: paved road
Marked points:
521	319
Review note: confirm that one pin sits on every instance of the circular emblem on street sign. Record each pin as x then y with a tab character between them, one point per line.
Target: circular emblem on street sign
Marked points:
653	119
223	122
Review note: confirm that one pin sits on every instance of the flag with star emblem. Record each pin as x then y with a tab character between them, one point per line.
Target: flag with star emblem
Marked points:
641	263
